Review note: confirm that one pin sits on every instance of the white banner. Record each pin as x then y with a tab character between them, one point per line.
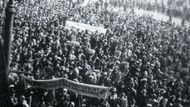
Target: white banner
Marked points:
81	88
81	26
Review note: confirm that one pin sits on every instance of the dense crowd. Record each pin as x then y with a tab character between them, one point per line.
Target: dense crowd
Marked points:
145	61
174	8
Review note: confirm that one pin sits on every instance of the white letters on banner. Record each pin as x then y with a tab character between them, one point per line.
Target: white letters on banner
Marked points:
81	88
81	26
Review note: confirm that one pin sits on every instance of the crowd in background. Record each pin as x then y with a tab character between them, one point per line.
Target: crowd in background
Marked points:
145	61
174	8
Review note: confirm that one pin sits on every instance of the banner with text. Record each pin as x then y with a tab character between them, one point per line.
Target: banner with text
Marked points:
80	88
81	26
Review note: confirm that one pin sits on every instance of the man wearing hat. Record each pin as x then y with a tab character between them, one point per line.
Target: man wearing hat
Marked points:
13	101
149	105
113	98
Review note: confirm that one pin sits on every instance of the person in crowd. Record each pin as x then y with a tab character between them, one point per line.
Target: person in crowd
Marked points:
22	102
13	101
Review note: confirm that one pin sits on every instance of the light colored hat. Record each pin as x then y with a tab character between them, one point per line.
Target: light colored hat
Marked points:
65	90
149	105
114	90
105	73
11	86
91	77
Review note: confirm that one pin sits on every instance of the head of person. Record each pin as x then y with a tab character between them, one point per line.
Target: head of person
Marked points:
149	105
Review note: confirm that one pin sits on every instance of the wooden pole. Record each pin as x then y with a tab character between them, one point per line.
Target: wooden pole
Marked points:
9	19
5	49
3	82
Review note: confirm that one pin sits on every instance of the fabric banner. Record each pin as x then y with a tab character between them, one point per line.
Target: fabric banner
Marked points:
43	84
80	88
81	26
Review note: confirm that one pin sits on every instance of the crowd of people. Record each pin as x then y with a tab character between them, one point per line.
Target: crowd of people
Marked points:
174	8
145	61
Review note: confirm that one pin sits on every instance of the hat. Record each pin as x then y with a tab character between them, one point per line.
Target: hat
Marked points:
114	89
117	62
105	73
179	99
91	77
75	80
144	80
149	105
65	90
11	86
76	71
162	91
22	97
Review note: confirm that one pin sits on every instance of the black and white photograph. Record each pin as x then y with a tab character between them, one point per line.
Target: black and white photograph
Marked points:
94	53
